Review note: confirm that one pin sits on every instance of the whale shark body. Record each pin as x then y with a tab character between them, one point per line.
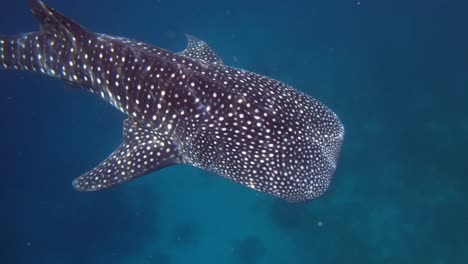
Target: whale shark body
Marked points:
186	108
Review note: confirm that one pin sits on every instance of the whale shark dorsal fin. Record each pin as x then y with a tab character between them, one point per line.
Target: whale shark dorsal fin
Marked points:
199	49
142	152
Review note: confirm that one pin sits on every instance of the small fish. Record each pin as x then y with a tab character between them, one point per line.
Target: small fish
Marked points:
186	108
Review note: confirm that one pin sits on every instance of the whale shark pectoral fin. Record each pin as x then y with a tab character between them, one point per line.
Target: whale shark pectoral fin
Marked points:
142	152
199	49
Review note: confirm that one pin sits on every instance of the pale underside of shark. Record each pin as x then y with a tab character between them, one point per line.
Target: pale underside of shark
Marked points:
186	108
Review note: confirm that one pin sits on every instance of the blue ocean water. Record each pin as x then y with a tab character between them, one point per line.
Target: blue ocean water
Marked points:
396	72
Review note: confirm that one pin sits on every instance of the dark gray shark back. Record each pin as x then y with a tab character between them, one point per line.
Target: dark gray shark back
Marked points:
187	107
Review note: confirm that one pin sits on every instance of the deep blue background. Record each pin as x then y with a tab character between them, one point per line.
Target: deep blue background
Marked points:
396	72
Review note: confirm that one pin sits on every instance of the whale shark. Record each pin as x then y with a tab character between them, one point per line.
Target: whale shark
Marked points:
186	107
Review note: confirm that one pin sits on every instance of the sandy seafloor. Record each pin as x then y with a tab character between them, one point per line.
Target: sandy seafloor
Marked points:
396	72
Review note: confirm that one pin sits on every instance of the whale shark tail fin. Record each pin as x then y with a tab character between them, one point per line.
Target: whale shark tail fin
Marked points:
54	21
47	50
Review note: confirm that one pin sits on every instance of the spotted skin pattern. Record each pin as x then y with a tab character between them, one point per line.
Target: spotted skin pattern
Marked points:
186	108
